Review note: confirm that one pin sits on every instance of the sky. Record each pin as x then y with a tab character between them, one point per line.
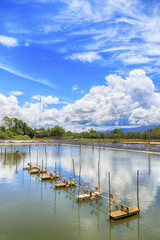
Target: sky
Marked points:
80	64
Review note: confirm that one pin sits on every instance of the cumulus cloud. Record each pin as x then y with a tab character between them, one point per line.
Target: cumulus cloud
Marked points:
46	100
130	101
8	41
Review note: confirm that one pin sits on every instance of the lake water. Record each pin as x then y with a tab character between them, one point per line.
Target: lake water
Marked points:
32	209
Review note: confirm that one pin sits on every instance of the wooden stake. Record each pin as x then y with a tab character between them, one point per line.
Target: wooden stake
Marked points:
138	189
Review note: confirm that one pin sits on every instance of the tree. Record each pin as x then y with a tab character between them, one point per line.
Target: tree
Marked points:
2	135
57	132
118	133
8	122
155	132
145	135
17	126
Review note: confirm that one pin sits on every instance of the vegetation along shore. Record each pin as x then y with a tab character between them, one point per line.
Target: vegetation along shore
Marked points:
15	131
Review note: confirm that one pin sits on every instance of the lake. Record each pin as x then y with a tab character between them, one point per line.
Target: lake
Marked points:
32	209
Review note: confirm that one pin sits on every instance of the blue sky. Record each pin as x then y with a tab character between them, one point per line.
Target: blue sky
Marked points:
80	64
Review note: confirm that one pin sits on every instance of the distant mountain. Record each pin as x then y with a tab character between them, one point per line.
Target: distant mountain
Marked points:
140	129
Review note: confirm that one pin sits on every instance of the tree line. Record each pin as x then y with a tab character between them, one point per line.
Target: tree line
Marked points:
14	128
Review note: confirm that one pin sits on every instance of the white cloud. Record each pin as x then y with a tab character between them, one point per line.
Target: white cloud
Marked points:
19	74
122	28
46	100
26	44
8	41
15	93
130	101
74	87
85	57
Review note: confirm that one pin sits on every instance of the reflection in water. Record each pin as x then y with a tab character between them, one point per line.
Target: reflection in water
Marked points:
87	215
126	223
149	164
9	162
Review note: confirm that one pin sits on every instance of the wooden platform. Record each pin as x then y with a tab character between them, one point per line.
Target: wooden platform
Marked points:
88	196
66	184
34	171
51	177
48	177
42	170
59	185
29	168
116	215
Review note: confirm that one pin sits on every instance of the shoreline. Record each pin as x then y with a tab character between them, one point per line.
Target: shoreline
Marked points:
131	147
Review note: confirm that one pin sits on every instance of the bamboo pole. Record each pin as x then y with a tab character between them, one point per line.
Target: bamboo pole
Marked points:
37	158
42	164
16	160
79	180
46	160
55	168
109	194
138	189
30	153
5	154
98	176
59	167
73	167
21	156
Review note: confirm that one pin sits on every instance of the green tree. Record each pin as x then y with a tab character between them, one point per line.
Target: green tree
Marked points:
17	126
155	132
44	134
118	133
57	132
145	135
2	135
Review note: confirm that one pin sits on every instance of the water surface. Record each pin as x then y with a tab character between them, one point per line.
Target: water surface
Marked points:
32	209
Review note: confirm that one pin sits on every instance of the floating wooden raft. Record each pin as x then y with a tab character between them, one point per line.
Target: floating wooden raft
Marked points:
38	170
124	211
30	167
119	214
51	177
90	195
43	170
34	171
66	183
